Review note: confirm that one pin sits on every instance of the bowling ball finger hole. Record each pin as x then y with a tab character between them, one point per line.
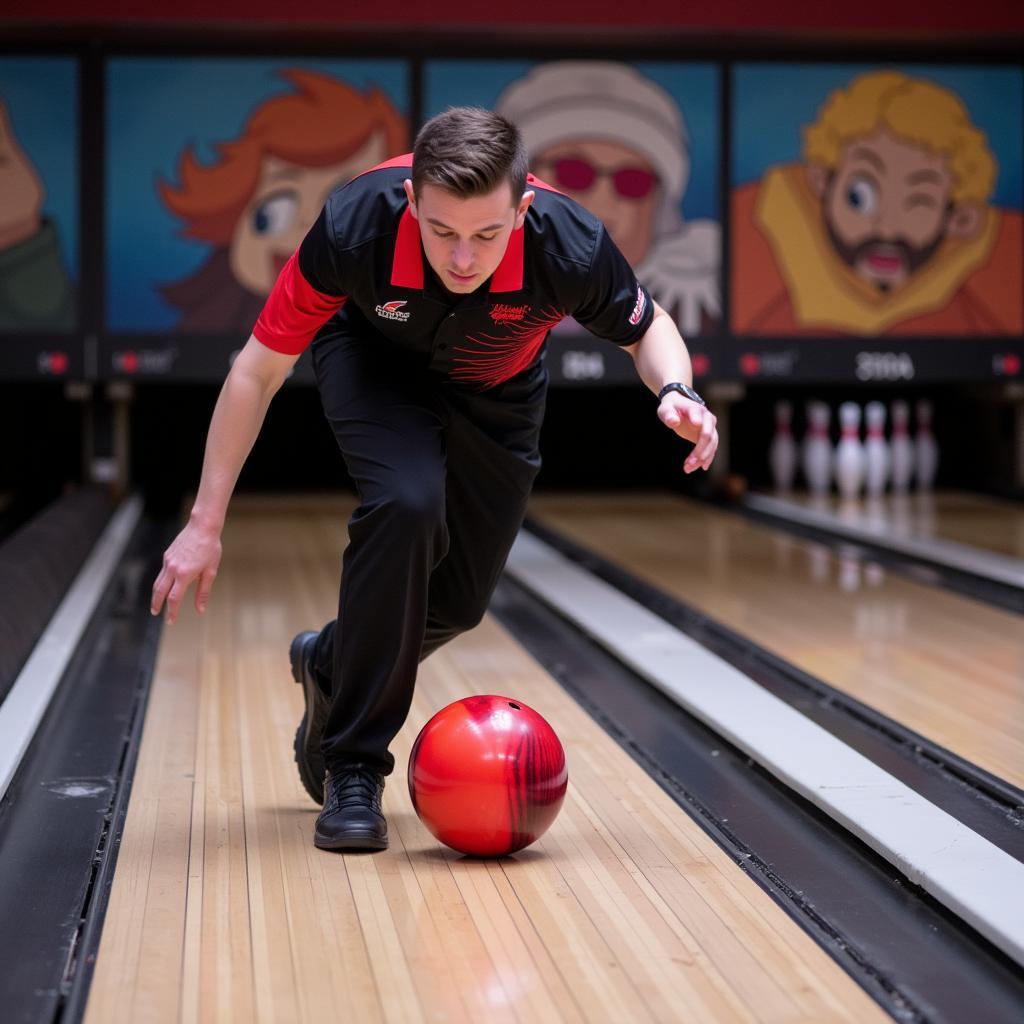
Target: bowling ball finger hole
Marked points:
517	707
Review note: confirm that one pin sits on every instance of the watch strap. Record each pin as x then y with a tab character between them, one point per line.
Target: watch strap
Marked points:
684	389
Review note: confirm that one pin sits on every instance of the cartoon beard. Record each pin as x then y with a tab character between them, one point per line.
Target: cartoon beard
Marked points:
911	257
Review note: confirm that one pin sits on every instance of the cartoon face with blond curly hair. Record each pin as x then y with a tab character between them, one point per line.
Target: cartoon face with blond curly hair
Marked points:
255	205
886	223
899	169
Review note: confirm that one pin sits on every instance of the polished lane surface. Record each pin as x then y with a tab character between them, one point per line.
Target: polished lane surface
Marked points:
945	666
989	524
223	910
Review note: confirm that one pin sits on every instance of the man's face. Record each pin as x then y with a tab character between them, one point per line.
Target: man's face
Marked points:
615	183
887	207
465	239
287	199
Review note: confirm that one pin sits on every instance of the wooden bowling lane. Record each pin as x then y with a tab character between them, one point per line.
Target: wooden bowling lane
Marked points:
222	909
975	520
990	524
945	666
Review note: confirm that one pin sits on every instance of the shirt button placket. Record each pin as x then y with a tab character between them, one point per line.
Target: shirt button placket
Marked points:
444	342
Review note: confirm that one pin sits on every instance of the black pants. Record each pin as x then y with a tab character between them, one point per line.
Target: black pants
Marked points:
443	476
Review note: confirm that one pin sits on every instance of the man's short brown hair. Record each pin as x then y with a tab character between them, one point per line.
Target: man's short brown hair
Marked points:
469	151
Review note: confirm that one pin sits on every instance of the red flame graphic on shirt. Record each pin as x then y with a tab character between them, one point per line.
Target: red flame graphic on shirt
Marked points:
494	358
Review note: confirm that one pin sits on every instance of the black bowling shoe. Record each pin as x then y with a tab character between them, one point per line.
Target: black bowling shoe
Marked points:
352	818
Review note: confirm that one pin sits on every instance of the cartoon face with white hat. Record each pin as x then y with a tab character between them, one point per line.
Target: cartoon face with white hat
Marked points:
616	142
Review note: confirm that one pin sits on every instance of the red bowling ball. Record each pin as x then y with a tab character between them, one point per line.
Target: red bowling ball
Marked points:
487	775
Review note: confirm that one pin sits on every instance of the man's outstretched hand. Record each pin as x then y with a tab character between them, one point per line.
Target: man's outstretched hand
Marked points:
194	554
692	422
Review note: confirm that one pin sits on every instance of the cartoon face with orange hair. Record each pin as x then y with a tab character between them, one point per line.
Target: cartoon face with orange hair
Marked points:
255	205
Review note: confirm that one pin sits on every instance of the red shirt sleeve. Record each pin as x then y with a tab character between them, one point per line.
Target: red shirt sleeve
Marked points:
294	311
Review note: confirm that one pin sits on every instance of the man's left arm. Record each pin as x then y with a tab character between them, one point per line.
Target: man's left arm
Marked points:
661	358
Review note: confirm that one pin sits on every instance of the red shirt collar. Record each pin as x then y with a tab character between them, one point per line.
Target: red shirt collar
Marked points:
407	267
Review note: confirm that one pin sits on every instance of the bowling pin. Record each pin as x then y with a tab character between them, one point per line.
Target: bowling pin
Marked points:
901	450
817	450
850	458
926	451
876	450
783	450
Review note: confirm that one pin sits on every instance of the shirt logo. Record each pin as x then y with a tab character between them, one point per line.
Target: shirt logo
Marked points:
393	310
638	309
502	314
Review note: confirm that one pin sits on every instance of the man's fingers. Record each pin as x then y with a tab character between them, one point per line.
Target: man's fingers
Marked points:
710	455
175	586
203	590
160	588
174	600
705	445
707	432
710	445
695	423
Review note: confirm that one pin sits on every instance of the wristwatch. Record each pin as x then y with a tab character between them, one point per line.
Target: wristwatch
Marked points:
684	389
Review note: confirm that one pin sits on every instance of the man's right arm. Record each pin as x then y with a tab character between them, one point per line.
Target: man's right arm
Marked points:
308	291
255	377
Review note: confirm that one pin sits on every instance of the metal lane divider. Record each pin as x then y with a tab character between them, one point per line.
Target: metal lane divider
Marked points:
26	702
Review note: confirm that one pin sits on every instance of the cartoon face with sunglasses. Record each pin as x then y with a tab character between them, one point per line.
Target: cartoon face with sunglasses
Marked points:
614	182
616	141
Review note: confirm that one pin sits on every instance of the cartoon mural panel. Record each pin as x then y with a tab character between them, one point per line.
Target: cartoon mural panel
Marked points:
637	145
891	207
206	202
39	163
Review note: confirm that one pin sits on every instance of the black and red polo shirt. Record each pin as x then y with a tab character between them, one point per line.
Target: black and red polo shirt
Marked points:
361	269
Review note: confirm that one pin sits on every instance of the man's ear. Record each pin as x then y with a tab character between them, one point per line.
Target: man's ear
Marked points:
411	196
965	221
816	176
524	205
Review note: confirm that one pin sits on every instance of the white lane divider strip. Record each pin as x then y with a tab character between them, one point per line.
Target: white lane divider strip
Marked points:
26	702
964	871
855	525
